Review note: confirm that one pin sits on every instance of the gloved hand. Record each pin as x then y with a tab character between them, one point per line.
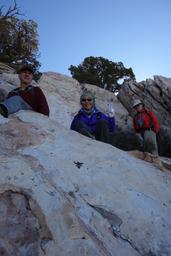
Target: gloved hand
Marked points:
111	111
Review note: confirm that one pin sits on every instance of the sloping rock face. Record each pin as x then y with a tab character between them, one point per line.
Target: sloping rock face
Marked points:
66	97
156	94
64	194
21	232
63	94
5	68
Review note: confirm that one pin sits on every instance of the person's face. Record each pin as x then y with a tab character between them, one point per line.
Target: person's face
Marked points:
26	77
139	107
87	103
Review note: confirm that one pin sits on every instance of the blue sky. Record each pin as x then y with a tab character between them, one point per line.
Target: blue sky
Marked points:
136	32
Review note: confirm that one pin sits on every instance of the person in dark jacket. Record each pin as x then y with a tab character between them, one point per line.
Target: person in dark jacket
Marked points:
147	125
91	122
26	97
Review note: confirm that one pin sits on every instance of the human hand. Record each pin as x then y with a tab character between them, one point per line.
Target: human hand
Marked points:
111	111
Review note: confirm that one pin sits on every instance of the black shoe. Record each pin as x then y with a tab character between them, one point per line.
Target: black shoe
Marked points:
87	133
3	111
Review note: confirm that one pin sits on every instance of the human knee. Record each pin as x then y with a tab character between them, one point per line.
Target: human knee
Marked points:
101	123
80	124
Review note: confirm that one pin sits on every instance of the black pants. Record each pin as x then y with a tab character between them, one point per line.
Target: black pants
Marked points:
101	132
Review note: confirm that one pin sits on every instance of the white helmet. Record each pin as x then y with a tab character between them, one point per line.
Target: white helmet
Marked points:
136	102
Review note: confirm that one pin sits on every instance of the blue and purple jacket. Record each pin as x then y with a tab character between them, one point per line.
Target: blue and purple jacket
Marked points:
91	120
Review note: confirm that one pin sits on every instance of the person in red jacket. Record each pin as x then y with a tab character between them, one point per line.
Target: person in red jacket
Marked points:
147	125
26	97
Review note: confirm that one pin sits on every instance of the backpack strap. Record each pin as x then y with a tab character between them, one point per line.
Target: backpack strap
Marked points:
16	91
32	90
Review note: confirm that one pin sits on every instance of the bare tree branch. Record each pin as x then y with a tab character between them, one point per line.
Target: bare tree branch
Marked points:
12	11
1	8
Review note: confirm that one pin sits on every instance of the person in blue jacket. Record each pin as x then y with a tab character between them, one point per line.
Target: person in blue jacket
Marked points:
91	122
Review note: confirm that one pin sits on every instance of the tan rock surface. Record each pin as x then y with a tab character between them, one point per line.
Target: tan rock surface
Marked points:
156	94
74	195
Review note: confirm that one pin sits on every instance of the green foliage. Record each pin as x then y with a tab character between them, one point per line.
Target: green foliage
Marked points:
18	39
101	72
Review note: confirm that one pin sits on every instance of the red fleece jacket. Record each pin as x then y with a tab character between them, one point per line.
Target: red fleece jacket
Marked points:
149	121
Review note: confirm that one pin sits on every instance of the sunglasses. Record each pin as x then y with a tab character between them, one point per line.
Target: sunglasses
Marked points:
138	105
84	100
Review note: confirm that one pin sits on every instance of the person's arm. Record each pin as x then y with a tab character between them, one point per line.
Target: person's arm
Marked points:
73	123
42	102
136	128
110	120
156	125
111	123
111	117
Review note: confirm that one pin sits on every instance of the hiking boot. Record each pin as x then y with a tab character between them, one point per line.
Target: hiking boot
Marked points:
157	162
87	134
147	157
154	159
3	111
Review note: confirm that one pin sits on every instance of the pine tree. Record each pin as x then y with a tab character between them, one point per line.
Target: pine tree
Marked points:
18	38
101	72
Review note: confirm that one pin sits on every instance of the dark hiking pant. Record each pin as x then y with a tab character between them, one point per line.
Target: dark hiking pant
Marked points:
101	132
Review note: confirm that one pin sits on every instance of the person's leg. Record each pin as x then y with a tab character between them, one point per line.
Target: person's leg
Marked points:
151	149
150	142
82	128
102	131
14	104
140	142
